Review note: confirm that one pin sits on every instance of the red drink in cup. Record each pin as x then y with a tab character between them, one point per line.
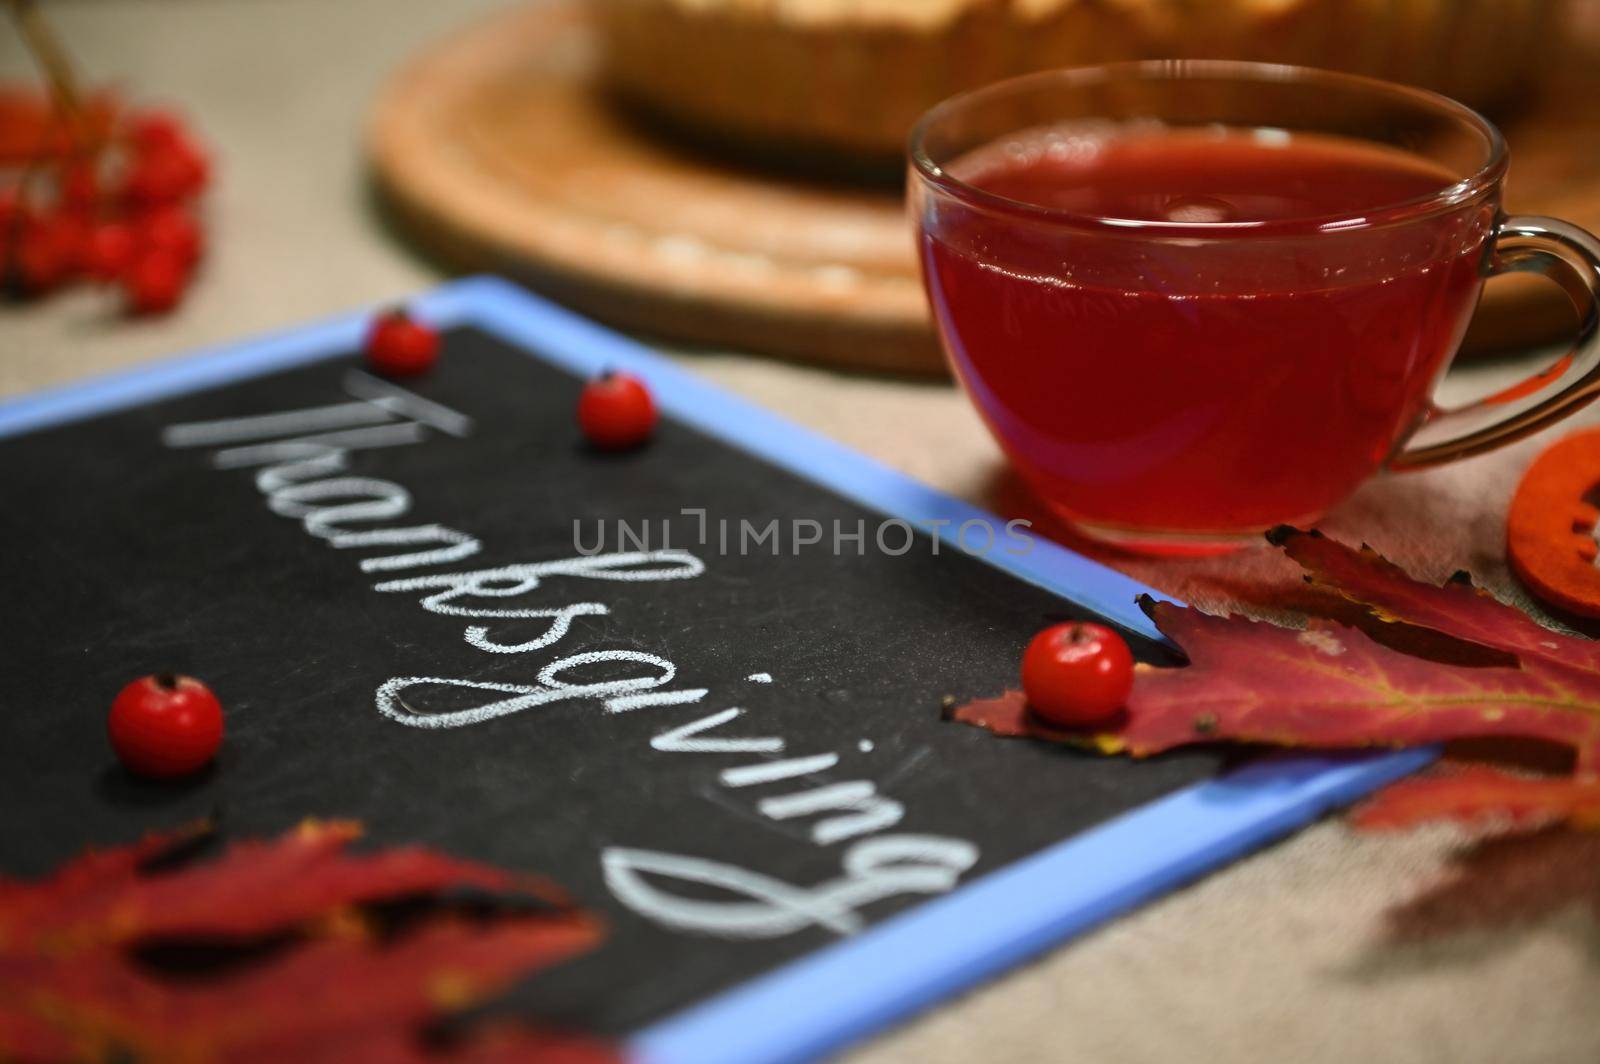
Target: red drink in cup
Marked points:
1193	301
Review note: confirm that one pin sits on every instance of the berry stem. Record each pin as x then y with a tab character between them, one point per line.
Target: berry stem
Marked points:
167	681
51	57
45	47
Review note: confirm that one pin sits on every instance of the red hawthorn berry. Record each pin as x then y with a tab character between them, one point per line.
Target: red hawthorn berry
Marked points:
49	251
165	726
194	165
154	282
155	127
1077	674
616	412
11	205
163	175
170	228
398	345
111	249
80	186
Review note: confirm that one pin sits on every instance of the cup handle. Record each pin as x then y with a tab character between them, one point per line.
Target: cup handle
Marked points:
1570	257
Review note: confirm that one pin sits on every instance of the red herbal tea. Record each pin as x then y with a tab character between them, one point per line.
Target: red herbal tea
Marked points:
1196	331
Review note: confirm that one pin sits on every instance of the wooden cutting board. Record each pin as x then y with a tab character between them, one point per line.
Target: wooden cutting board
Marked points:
495	152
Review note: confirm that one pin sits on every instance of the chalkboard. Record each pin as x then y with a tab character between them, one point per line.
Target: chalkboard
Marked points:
697	684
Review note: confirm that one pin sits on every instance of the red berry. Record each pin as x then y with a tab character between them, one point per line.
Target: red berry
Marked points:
50	250
615	411
193	165
400	346
1077	674
154	282
163	175
80	186
170	228
72	234
155	128
165	726
151	179
110	251
11	205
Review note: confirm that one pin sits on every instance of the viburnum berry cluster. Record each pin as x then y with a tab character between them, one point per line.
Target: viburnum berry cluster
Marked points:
94	190
112	202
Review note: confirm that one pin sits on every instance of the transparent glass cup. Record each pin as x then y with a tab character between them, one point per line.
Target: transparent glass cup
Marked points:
1184	384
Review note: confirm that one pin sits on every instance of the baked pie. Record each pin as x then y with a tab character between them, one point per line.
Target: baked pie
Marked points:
849	77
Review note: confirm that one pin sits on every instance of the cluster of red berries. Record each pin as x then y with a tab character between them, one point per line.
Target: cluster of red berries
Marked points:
118	213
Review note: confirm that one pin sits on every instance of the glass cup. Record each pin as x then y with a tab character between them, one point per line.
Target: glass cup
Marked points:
1183	380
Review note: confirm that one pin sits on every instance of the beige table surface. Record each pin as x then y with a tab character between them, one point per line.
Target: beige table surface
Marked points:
1276	959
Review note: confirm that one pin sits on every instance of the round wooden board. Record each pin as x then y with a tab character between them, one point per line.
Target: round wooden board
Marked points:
497	153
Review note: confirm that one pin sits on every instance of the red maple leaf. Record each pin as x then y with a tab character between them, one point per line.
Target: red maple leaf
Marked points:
296	960
1331	685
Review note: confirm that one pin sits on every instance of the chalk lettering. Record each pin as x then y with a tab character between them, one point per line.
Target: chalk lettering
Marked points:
629	703
307	477
384	500
393	704
397	400
269	426
682	740
510	581
457	545
868	810
301	448
560	623
773	771
324	462
874	869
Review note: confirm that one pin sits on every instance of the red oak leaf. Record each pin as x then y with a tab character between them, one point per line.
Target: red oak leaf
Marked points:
286	949
1331	685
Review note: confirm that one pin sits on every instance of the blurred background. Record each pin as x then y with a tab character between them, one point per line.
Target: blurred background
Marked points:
721	173
723	176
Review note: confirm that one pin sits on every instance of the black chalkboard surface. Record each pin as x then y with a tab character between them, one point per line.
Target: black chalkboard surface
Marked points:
736	756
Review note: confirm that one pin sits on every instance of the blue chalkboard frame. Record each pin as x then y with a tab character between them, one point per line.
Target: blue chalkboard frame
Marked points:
860	984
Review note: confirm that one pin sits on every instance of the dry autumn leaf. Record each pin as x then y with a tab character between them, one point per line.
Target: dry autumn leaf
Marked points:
1335	686
287	949
1505	880
1481	794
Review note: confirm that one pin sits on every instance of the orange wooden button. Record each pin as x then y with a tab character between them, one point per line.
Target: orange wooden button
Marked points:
1550	529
